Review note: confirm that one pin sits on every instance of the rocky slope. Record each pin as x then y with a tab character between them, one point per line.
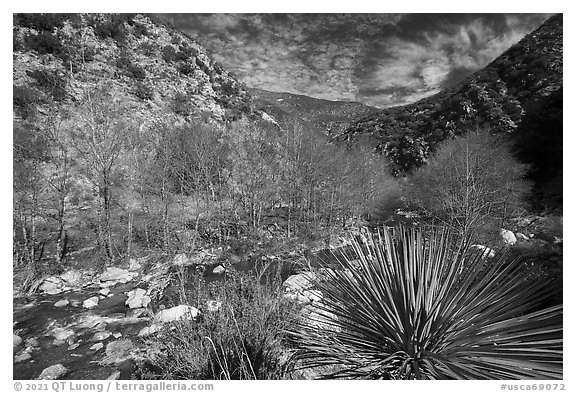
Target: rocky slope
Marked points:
329	117
519	93
58	57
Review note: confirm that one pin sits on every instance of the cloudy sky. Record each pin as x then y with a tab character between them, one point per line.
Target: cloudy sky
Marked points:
378	59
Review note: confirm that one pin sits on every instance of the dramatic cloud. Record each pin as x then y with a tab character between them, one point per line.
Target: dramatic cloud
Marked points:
378	59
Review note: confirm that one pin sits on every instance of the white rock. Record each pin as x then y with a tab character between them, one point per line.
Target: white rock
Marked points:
116	334
117	275
300	282
73	346
72	277
181	260
218	269
53	372
104	291
487	252
62	334
101	336
148	330
118	351
52	286
22	357
61	303
137	298
16	340
114	376
213	305
175	313
97	347
134	265
522	237
508	237
91	302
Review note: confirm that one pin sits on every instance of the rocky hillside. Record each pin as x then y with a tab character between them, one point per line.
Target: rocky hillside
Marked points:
330	117
519	93
156	69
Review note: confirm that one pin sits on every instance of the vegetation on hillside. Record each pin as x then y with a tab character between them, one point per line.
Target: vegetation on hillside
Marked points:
505	97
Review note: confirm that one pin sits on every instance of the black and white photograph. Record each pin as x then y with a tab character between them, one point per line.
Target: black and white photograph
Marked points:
287	196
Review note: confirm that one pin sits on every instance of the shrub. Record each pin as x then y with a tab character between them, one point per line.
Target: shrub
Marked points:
168	54
416	308
42	22
242	340
25	100
50	82
143	91
44	43
186	69
137	72
469	182
181	104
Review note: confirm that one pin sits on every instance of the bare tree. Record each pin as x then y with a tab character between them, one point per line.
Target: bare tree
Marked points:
470	179
102	130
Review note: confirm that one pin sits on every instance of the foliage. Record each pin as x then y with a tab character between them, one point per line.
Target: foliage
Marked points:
418	307
25	100
143	91
42	22
168	54
44	43
242	340
50	82
470	180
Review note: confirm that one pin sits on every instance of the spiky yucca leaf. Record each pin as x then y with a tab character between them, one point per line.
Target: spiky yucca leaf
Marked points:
416	306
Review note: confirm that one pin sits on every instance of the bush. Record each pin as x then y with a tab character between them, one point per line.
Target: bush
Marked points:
41	22
411	307
168	54
471	181
242	340
186	69
137	72
44	43
25	100
50	82
143	91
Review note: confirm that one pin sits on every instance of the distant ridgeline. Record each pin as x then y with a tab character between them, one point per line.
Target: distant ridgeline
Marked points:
519	93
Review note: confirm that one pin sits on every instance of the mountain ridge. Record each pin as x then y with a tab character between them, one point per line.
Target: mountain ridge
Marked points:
501	96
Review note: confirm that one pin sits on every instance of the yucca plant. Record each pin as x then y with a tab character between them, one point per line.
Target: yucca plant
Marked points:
421	304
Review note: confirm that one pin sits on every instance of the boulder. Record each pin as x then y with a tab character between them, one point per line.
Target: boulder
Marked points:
72	277
91	302
137	298
62	334
101	336
522	237
25	355
213	305
508	237
73	346
104	291
218	269
148	330
113	275
135	264
181	260
53	372
16	340
97	347
176	313
304	297
118	351
487	252
299	282
61	303
52	286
